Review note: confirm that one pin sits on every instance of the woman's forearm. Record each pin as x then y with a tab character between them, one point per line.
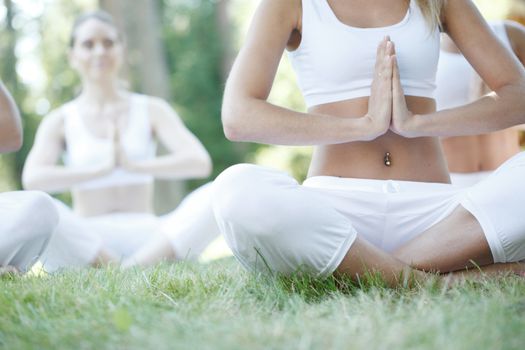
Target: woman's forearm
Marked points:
495	111
182	165
59	178
254	120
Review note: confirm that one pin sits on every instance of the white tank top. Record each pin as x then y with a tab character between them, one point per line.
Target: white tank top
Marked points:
335	62
85	149
455	74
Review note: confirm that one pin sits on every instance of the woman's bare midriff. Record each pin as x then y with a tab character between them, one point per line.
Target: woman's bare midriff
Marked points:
467	154
415	159
108	200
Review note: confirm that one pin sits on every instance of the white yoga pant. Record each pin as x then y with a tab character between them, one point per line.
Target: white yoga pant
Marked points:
271	222
464	180
192	226
73	244
27	221
78	240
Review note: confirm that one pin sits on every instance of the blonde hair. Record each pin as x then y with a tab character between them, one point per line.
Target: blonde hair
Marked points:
432	10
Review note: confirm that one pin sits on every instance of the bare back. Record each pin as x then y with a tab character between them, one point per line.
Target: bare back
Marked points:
485	152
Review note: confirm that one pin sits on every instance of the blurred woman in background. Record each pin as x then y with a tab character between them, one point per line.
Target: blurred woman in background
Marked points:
473	158
107	139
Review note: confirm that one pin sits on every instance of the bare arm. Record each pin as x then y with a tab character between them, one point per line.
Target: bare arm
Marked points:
11	136
246	114
41	171
516	34
187	159
500	70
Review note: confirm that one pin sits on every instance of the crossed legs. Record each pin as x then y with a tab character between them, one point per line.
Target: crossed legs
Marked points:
455	244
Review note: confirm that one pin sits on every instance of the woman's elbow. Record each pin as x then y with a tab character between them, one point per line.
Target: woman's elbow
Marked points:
206	166
232	121
29	182
199	164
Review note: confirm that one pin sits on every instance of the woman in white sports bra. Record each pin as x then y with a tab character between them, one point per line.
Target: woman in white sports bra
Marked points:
107	139
378	194
474	157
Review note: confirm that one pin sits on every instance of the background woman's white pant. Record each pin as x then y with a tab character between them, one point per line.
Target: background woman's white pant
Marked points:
271	222
192	226
77	240
27	221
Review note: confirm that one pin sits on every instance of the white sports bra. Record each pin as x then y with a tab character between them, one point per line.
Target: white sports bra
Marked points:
335	61
455	74
85	149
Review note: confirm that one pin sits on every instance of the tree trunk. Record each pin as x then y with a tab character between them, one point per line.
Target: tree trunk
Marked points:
225	29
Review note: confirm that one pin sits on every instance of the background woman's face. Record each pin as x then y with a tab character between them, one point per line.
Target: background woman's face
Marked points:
97	50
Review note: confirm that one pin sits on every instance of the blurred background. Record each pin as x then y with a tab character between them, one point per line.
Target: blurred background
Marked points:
180	50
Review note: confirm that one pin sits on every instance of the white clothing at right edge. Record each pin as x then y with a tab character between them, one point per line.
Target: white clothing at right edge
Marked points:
27	222
271	222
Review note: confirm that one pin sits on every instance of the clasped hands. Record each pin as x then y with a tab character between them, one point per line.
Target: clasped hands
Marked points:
387	108
118	157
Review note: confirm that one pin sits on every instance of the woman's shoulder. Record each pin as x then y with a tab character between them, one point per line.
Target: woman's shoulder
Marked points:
152	102
157	109
291	9
53	122
57	116
145	99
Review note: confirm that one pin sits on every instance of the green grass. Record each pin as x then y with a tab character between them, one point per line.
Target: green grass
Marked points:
220	306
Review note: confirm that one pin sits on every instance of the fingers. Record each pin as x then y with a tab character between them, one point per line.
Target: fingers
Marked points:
379	57
382	50
387	66
397	88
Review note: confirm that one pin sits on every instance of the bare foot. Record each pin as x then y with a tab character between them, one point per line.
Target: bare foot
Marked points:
486	271
105	258
156	251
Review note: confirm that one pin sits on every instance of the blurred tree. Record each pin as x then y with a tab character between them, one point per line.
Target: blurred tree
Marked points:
225	28
198	40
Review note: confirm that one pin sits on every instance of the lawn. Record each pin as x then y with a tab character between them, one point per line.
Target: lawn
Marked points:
220	306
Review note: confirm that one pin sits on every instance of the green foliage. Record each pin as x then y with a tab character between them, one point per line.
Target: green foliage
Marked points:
195	52
8	40
49	30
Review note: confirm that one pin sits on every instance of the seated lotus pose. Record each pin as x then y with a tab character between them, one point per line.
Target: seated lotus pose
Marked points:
27	219
473	158
107	138
377	197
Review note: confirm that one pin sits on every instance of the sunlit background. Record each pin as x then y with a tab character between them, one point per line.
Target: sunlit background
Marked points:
196	41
